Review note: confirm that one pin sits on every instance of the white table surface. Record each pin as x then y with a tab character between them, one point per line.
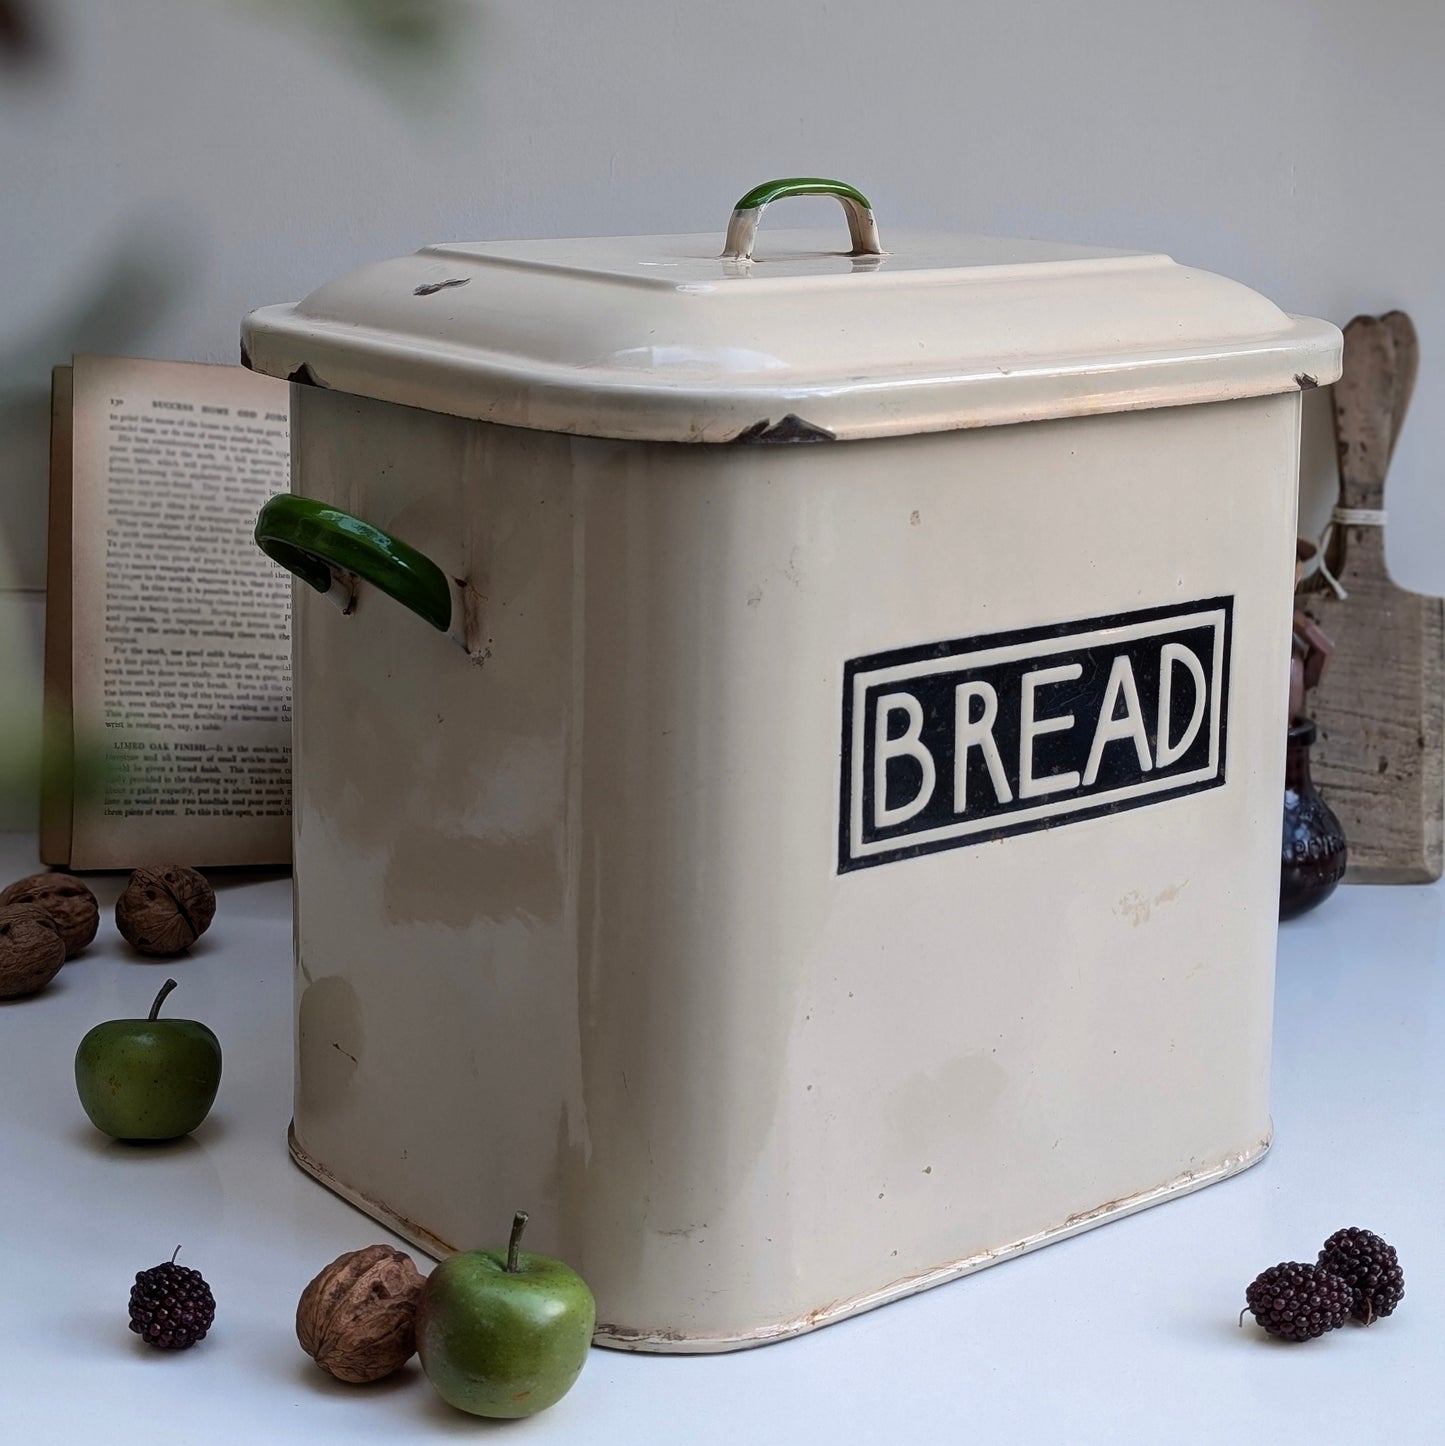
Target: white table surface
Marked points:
1124	1334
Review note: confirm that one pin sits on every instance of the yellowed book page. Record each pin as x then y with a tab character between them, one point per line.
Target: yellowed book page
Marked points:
57	759
181	659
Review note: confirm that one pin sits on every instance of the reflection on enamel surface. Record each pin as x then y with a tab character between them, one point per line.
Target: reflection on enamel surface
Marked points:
702	361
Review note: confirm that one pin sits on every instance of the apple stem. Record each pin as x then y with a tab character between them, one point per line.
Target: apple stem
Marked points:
160	998
519	1224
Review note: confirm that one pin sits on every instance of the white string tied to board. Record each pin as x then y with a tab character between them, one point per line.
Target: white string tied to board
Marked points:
1346	517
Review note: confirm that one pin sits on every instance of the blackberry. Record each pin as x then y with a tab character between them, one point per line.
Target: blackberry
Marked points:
1297	1302
1369	1267
171	1306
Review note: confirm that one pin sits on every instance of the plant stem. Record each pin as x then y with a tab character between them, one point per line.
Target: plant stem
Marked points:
165	989
519	1224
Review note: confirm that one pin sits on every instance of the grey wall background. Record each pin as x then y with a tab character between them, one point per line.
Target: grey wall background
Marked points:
173	163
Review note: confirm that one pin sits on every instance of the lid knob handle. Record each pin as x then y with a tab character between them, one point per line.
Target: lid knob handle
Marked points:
743	228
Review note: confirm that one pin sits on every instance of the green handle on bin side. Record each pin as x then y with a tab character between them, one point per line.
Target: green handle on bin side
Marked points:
742	228
310	538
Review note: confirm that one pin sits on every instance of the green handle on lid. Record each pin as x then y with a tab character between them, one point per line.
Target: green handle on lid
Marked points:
759	196
743	227
311	539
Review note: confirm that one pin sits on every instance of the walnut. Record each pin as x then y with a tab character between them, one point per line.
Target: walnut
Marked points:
165	909
66	899
31	950
357	1319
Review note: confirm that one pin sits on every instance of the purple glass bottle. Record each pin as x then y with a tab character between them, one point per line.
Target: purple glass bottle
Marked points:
1314	853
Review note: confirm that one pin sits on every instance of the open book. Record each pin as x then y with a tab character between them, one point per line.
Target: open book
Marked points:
167	733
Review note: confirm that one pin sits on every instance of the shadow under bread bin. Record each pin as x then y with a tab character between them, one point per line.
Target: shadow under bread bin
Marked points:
812	829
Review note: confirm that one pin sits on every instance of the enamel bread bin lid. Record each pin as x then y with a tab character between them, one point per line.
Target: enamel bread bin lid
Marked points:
684	339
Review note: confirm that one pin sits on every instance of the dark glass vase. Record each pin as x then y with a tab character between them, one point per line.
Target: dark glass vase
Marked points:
1314	854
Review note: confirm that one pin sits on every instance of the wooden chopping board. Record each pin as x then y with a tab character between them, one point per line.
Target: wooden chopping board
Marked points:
1380	708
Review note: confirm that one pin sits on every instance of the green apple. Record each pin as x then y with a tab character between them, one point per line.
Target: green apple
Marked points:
504	1333
148	1079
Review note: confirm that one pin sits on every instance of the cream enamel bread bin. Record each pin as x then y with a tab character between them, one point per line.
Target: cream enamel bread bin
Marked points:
812	829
